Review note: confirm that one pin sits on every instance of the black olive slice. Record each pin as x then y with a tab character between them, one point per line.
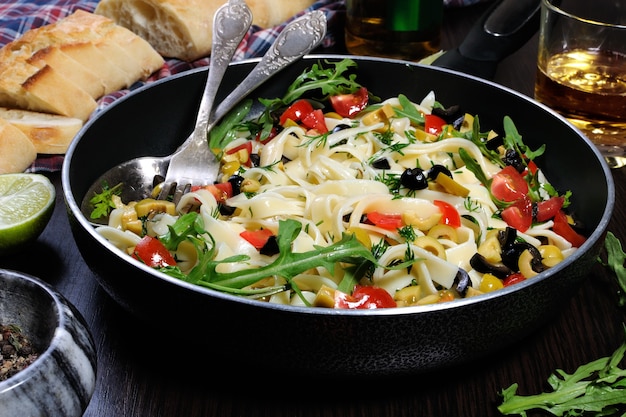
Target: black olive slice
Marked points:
511	253
382	163
271	247
450	114
480	264
436	170
414	179
236	181
339	127
462	282
514	159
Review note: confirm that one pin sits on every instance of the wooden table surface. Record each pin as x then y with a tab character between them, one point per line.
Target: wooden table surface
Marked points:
137	378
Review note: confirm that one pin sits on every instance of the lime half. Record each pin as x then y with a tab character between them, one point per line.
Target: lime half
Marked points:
26	205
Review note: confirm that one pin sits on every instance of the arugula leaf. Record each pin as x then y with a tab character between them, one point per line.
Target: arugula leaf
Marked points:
331	81
480	140
615	261
513	140
286	265
598	387
474	168
222	134
103	202
188	225
409	110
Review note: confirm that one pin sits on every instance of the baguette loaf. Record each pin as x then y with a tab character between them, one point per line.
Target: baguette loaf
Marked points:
49	133
183	28
62	68
114	53
16	152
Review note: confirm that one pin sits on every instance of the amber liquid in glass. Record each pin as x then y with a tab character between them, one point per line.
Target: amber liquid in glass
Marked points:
589	88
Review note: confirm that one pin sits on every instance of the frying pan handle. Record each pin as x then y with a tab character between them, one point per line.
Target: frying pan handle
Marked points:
504	28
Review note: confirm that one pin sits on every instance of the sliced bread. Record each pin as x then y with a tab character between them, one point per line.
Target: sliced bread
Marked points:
49	133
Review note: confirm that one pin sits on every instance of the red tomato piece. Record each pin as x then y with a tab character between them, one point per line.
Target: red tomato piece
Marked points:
548	209
315	120
222	191
513	279
348	105
519	215
365	297
433	124
384	220
449	213
564	229
257	238
153	253
508	185
296	111
247	147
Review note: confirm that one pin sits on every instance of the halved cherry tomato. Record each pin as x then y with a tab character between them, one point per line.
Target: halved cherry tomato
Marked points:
513	279
222	191
257	238
449	213
348	105
547	209
563	228
246	146
433	124
384	220
365	297
153	253
296	111
508	185
519	215
315	120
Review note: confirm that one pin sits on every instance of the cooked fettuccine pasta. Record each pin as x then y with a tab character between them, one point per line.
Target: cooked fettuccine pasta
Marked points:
293	215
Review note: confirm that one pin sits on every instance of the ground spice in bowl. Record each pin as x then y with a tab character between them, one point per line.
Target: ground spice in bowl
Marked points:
16	351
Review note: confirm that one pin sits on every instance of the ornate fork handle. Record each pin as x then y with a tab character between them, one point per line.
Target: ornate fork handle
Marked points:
296	40
230	24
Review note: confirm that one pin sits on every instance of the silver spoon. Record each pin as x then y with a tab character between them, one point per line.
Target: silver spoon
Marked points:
137	175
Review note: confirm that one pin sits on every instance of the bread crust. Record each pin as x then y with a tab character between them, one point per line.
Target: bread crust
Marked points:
49	133
175	28
42	89
16	151
183	28
64	63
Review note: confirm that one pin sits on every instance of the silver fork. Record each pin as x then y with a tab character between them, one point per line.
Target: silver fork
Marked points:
194	163
230	24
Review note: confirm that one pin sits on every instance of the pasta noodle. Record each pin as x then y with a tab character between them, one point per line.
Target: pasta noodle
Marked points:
329	183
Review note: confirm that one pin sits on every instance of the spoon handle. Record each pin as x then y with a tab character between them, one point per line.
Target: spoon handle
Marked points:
230	24
296	40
